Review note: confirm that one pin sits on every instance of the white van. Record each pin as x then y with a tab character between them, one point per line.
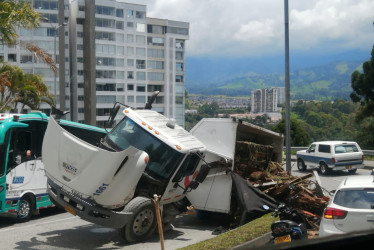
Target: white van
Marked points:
331	155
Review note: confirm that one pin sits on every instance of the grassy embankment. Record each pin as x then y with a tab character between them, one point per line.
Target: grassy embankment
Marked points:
238	236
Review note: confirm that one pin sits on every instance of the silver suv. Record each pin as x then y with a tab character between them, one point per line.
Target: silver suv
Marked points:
331	155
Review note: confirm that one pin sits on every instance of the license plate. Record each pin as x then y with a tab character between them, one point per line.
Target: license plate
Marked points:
281	239
70	210
348	167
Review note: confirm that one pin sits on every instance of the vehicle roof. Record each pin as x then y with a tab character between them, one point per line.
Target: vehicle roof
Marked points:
155	121
334	142
358	181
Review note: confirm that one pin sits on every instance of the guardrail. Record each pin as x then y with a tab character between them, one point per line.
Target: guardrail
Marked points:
366	152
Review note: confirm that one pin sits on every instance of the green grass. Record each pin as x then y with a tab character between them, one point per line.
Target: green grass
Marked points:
236	236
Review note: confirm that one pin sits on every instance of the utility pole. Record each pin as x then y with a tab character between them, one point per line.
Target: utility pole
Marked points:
287	88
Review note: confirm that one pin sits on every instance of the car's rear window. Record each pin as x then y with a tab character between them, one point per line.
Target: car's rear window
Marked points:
345	149
355	198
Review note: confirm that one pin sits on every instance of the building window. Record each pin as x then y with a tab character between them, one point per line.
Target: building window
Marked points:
155	64
155	29
130	38
26	59
130	99
140	27
179	100
140	76
130	87
130	24
119	12
120	87
105	10
155	76
130	13
106	99
140	14
179	55
130	74
140	51
140	40
12	58
152	88
140	64
130	62
107	23
157	53
155	41
179	44
140	88
179	66
109	36
80	98
119	25
140	99
130	51
106	87
179	78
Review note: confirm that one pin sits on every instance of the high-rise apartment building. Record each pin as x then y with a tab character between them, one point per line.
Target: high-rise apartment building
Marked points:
107	51
267	100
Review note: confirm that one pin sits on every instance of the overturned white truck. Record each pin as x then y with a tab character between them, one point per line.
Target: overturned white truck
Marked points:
223	190
113	184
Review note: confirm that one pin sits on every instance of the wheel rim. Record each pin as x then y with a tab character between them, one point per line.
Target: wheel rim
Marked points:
23	209
143	222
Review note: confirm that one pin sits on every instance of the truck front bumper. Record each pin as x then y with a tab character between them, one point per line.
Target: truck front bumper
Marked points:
87	209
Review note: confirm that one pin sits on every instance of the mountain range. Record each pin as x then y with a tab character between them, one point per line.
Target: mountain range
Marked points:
312	77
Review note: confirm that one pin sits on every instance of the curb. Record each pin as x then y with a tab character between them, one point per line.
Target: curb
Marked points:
255	243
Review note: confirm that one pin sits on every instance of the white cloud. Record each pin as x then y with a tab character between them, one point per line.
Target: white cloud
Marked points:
256	27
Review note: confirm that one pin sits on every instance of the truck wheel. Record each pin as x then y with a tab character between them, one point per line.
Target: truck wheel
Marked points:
324	169
301	165
25	209
143	223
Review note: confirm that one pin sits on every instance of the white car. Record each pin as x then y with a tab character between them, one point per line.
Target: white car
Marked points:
331	155
351	208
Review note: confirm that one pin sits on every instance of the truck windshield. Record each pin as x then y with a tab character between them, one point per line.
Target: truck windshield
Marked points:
163	160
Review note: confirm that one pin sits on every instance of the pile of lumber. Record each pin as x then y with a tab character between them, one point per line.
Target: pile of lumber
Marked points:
253	163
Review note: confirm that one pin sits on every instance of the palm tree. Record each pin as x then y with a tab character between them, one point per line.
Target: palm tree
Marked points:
17	87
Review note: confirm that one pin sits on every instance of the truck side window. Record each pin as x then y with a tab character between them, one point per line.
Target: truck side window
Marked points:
312	148
188	167
324	148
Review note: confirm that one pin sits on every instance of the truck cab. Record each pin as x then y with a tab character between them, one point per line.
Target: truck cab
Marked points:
113	184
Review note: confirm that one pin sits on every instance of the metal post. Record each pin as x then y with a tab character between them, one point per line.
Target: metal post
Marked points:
287	89
54	59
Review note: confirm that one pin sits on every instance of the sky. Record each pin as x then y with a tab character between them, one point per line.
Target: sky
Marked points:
256	28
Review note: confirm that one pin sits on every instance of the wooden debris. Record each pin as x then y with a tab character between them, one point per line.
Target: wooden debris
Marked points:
253	162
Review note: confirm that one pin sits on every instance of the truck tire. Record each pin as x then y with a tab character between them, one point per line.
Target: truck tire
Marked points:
301	165
324	169
143	223
25	209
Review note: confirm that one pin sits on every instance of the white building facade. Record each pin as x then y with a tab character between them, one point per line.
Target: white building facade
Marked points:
108	52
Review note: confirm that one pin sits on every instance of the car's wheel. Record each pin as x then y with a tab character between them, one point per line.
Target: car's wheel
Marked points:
324	169
301	165
143	223
352	171
25	209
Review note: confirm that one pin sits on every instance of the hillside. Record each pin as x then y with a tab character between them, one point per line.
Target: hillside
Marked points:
327	82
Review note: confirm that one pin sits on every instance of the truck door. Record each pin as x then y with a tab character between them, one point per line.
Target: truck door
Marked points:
310	157
183	177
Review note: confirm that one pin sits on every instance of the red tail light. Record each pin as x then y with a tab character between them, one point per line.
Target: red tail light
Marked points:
334	213
332	160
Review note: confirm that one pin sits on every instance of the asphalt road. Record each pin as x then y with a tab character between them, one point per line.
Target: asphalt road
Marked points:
56	229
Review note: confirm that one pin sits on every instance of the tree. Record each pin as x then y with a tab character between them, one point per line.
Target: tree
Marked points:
363	88
299	137
20	14
17	87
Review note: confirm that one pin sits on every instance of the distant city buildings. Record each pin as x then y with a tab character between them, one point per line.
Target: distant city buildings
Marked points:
106	51
267	100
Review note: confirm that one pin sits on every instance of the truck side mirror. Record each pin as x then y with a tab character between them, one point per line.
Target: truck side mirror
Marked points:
204	170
